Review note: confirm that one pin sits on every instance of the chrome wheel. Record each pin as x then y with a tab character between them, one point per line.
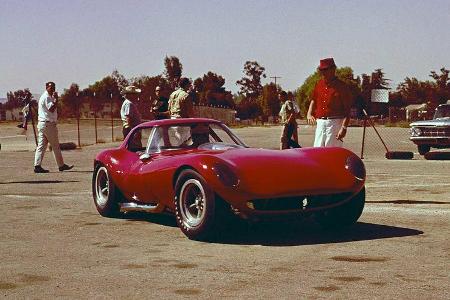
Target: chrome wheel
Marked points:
192	203
102	187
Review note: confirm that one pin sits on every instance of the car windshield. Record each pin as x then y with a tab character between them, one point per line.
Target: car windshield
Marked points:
188	136
442	112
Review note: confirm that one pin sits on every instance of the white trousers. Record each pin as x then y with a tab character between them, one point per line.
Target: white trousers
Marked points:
47	133
326	132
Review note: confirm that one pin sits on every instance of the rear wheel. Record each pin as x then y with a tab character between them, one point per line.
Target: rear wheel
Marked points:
106	195
344	215
423	149
194	206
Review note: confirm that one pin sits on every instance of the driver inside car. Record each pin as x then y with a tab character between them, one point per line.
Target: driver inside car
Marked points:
199	134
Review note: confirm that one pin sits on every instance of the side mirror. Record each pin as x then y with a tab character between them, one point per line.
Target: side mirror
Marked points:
145	156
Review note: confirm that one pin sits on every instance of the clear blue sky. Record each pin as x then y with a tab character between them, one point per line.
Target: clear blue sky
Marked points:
82	41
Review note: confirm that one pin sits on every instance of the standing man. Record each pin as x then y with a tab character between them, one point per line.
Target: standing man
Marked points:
330	105
129	112
180	101
160	105
287	114
47	130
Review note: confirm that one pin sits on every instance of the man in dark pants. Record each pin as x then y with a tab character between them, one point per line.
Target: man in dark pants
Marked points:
287	114
161	105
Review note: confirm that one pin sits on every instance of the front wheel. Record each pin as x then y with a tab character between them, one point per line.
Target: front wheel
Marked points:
344	215
105	193
194	205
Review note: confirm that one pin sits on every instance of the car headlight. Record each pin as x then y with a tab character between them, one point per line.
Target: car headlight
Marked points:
416	131
226	175
355	165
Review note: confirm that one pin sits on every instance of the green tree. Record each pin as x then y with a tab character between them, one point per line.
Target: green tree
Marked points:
250	84
303	93
173	70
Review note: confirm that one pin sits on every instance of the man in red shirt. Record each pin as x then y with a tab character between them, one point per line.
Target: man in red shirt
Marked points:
330	105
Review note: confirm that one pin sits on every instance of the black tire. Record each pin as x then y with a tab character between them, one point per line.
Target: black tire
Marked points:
344	215
437	155
423	149
399	155
195	206
105	193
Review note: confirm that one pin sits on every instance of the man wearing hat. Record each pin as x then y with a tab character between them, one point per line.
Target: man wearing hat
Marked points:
129	112
47	130
329	108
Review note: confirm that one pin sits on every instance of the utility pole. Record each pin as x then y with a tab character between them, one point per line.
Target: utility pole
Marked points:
275	78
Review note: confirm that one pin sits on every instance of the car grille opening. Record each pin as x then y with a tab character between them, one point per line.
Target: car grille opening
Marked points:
297	202
435	131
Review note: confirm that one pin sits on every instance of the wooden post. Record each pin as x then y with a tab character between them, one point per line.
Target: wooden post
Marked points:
112	120
363	138
32	123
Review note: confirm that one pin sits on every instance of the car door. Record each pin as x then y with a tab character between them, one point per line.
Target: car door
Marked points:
134	184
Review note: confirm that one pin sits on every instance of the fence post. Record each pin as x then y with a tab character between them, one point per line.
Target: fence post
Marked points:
112	120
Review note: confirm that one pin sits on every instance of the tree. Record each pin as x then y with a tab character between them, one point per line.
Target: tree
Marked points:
304	92
269	100
18	98
251	86
441	90
121	81
211	91
414	91
71	101
173	71
378	80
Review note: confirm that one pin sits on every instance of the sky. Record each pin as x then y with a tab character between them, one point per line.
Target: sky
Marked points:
74	41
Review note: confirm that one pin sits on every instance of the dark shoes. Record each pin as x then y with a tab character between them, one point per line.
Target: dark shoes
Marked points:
39	169
65	167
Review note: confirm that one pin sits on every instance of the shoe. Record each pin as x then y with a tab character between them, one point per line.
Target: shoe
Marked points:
39	169
65	167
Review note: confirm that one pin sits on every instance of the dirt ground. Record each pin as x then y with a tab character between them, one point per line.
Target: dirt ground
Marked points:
53	243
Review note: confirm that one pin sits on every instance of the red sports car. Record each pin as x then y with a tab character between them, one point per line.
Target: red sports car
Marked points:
204	174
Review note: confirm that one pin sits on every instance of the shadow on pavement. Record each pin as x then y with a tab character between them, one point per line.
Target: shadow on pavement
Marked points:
287	233
39	181
161	219
296	234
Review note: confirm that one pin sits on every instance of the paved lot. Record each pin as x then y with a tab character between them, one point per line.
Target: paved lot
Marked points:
54	243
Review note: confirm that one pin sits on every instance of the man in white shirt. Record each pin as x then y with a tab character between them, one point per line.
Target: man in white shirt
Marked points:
129	112
47	130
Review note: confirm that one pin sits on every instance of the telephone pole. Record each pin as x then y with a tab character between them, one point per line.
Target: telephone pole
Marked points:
275	78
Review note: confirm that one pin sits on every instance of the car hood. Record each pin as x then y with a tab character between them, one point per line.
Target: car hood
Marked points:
435	122
309	171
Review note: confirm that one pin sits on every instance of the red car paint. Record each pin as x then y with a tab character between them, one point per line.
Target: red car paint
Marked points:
260	173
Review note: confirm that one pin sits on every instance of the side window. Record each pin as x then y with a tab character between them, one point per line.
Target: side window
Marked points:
138	141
